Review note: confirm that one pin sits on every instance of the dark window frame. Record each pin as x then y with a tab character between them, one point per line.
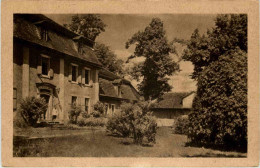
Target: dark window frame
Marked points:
45	60
74	75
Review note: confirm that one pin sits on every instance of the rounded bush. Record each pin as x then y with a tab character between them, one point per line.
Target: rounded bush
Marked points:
134	121
31	109
180	125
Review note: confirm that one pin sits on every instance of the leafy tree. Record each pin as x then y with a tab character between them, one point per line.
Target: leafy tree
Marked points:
89	25
153	45
109	59
220	67
230	31
220	107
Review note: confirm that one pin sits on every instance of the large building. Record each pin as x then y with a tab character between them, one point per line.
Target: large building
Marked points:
52	62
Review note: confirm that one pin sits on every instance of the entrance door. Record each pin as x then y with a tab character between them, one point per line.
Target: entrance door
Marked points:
47	100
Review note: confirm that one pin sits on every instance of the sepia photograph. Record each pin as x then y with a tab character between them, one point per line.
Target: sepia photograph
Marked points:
118	85
98	84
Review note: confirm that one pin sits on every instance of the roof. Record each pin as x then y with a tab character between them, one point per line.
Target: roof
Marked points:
106	88
172	100
128	92
25	29
107	74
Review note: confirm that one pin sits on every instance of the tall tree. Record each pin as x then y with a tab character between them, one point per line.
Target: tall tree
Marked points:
230	32
89	25
153	45
220	67
109	59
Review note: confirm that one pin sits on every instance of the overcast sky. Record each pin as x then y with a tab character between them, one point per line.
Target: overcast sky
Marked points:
121	27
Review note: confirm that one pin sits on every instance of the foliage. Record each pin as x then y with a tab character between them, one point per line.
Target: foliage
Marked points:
99	110
19	122
220	107
31	109
135	121
118	125
89	25
220	67
181	126
91	121
230	32
153	45
109	59
85	114
74	113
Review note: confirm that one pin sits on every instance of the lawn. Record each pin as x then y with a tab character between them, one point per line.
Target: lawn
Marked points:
99	144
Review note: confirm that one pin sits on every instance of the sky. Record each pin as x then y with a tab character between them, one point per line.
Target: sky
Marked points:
121	27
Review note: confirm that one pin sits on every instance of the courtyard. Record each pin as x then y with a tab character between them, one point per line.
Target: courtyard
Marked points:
95	142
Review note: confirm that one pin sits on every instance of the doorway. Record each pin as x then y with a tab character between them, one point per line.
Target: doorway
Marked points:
47	99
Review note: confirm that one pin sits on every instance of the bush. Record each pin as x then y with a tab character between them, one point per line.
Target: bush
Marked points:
180	125
74	113
31	109
91	121
85	114
118	125
19	122
135	121
99	109
220	107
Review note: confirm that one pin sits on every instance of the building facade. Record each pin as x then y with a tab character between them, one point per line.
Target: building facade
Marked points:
60	66
53	63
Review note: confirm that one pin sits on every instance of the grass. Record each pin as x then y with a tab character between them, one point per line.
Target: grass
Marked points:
99	144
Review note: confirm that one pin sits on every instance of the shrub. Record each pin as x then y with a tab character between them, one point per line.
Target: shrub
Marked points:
74	113
31	109
85	114
135	121
180	125
98	110
118	125
220	107
19	122
91	121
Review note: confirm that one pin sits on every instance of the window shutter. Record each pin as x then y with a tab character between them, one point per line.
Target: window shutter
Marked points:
39	65
79	76
70	72
51	73
83	76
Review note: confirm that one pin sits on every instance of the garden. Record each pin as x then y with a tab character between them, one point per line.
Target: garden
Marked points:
132	133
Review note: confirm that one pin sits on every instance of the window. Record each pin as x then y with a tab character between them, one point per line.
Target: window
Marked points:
80	49
106	108
86	104
73	100
45	65
112	108
44	34
74	70
87	76
14	98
